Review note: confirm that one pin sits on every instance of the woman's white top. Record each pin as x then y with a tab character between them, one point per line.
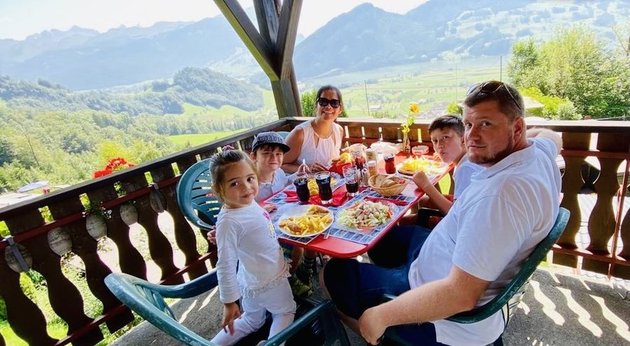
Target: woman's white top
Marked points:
325	150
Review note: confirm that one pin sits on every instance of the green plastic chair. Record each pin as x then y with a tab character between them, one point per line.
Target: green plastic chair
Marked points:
147	300
512	294
195	198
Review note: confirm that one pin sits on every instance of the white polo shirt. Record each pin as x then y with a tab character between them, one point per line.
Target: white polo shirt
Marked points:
491	228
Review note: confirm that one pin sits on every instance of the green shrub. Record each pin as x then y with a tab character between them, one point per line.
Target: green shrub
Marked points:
308	103
454	108
567	111
554	107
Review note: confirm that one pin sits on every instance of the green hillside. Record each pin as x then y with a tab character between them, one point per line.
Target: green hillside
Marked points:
192	140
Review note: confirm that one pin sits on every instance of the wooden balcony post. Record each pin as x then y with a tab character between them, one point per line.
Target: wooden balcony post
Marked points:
272	47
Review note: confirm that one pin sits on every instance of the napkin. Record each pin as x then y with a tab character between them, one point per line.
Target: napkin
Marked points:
339	197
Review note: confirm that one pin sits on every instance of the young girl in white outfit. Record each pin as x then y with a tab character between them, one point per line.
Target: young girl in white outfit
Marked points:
251	265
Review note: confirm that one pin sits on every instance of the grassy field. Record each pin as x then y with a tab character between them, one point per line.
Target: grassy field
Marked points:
390	90
186	141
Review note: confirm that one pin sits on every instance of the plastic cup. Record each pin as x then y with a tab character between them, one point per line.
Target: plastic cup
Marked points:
301	188
323	184
350	174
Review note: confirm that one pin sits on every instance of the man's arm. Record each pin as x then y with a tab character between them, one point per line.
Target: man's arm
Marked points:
436	300
545	133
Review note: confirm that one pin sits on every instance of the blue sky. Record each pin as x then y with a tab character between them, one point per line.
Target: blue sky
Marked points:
20	18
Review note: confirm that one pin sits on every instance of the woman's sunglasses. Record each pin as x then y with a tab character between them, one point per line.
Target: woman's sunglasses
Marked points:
323	102
491	87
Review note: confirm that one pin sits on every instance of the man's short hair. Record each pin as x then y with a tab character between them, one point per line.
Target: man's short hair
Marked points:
453	122
507	97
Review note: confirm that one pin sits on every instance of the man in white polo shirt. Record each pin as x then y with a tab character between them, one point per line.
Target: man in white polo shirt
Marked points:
509	207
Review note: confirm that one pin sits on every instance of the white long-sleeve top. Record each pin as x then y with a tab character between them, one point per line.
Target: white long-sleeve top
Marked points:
247	239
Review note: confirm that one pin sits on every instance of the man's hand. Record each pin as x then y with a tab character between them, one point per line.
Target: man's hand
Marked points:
371	326
231	312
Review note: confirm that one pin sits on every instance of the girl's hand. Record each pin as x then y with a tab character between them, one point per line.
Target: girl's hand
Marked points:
421	180
212	235
231	312
269	207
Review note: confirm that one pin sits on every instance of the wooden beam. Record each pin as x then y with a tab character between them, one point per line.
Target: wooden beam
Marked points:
244	28
267	15
287	33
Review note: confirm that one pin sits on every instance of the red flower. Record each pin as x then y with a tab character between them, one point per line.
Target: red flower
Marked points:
113	165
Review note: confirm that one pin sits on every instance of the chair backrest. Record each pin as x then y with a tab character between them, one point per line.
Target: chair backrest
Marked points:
195	198
516	287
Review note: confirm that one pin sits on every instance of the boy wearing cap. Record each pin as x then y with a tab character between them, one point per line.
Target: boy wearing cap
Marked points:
268	150
267	153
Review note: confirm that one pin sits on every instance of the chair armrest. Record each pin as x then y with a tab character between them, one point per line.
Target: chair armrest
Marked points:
189	289
146	299
202	225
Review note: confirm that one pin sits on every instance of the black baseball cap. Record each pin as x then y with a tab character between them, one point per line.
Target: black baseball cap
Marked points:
269	138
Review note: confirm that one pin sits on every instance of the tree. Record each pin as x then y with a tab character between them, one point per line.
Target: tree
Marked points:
308	103
574	66
7	154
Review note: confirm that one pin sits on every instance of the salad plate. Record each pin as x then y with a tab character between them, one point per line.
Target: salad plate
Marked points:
365	215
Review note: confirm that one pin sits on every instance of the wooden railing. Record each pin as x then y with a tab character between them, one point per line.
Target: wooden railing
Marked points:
141	193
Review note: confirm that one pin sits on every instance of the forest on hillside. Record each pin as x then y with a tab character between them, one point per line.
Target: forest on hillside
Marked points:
196	86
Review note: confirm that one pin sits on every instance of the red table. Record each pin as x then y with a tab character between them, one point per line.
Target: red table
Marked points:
343	248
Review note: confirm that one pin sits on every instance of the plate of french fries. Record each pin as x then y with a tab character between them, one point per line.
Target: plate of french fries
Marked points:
416	164
305	220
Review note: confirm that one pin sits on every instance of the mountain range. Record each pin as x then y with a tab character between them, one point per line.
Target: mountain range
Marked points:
362	39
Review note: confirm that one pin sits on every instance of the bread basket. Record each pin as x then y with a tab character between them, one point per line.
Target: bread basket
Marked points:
387	185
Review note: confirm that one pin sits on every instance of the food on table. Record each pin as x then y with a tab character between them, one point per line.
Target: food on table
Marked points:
387	185
365	215
384	181
416	164
344	158
314	221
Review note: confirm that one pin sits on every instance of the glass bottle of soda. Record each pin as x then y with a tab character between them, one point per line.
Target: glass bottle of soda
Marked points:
301	183
390	164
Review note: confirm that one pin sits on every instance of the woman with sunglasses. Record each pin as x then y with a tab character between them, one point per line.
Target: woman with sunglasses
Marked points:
318	141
